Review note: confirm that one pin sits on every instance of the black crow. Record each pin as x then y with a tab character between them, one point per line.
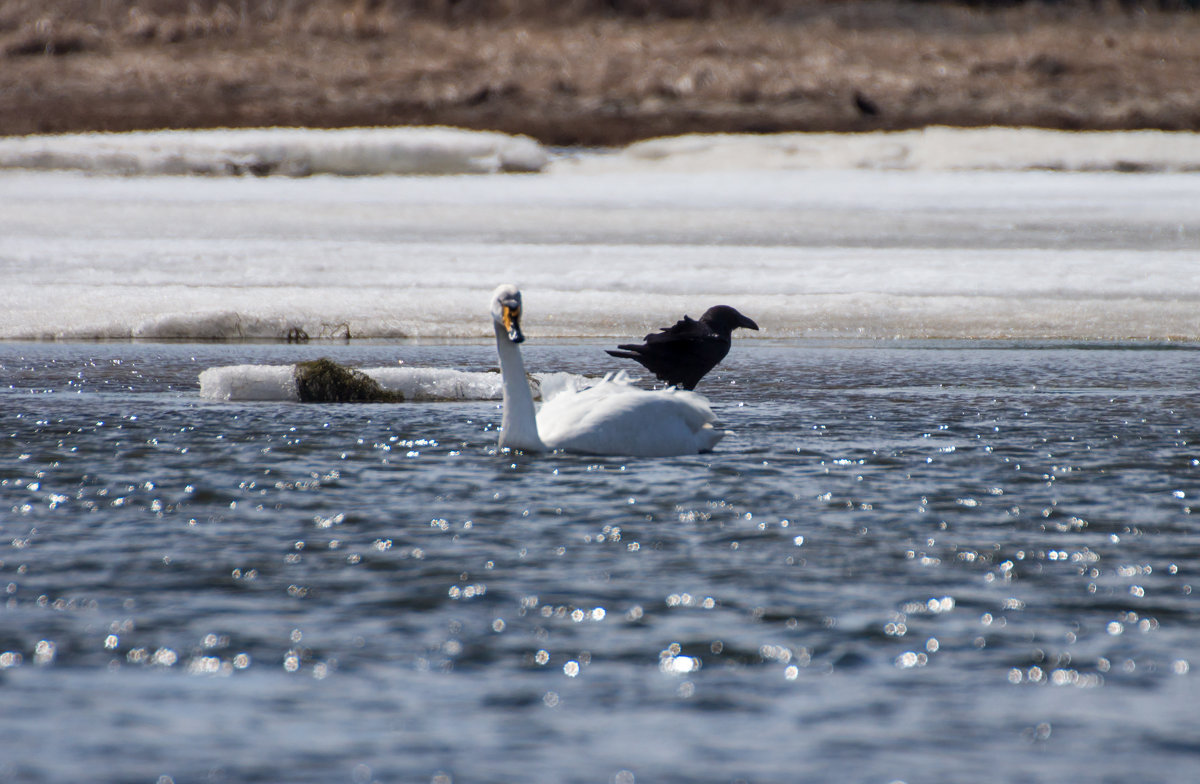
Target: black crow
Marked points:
680	355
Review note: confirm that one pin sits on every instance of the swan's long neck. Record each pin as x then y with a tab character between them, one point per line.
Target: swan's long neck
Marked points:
519	421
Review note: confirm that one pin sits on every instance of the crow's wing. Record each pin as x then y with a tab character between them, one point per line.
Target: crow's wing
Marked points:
680	354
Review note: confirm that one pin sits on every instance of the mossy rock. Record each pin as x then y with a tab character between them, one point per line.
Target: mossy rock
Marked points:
325	381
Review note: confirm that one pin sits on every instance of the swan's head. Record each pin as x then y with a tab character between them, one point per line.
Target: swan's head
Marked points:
506	311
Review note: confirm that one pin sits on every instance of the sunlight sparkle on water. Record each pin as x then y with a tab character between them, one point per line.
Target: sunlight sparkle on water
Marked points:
468	594
672	662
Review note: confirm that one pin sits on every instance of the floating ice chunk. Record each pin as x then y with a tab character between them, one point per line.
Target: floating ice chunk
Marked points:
278	383
288	151
438	383
249	382
427	384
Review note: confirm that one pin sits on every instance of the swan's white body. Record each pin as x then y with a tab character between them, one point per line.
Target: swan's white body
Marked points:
612	418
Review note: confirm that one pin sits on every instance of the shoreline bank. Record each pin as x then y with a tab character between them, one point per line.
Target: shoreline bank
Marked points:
602	81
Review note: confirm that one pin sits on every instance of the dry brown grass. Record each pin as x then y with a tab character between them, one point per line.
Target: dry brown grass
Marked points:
592	72
172	21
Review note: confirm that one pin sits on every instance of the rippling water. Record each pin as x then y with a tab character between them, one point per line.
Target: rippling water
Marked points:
917	562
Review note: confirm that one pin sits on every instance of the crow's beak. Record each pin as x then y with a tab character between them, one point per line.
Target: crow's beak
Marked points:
747	322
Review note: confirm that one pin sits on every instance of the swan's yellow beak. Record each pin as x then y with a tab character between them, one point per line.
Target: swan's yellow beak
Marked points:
511	315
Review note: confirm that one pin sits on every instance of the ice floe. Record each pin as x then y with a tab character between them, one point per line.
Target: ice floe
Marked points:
287	151
413	384
928	149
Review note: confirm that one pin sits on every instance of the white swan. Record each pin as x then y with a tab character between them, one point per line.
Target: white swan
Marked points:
611	418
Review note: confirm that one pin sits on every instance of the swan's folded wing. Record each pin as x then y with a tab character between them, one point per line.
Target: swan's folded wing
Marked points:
613	418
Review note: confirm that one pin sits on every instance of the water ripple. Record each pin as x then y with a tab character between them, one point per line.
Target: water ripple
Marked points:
897	533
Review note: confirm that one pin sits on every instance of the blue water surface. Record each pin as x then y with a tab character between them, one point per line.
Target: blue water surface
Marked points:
919	562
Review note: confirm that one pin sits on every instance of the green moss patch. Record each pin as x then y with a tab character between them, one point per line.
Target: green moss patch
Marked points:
325	381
